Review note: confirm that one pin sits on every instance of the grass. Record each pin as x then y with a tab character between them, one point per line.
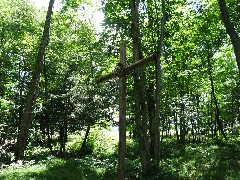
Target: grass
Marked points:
40	164
208	161
203	161
57	168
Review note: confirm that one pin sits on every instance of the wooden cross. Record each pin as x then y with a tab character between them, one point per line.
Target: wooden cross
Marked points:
121	71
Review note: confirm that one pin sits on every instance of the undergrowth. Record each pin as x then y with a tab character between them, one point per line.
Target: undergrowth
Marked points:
210	160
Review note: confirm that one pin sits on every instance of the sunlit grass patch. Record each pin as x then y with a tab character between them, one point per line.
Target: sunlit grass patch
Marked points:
201	161
40	164
74	143
207	161
19	171
56	168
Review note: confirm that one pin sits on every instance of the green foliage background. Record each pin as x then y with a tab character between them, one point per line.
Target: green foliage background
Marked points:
77	54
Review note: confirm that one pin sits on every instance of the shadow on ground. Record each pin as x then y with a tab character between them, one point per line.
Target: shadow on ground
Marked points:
61	169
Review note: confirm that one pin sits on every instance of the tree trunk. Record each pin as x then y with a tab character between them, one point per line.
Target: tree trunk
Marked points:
217	112
151	116
235	39
182	124
156	159
122	116
212	124
1	75
32	95
49	137
175	124
64	136
46	115
20	97
192	130
84	143
140	100
62	140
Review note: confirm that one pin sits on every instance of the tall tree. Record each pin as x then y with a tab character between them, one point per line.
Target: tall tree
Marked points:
235	39
32	94
140	100
158	87
213	94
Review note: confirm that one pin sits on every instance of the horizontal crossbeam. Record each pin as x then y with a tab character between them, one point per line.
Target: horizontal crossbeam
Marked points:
127	69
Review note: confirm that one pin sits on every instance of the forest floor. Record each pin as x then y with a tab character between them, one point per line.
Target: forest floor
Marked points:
206	160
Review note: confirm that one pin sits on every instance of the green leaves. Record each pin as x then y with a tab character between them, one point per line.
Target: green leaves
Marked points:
72	4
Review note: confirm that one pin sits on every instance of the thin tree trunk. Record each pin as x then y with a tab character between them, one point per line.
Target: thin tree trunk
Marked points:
141	117
162	135
122	117
46	116
217	112
49	138
20	98
213	124
32	95
198	116
235	39
2	74
1	82
175	124
182	124
65	137
158	89
84	143
151	116
61	139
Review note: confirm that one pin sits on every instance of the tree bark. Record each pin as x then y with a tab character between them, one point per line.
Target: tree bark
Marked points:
140	100
158	89
151	115
175	124
122	117
182	123
63	136
46	114
217	112
49	137
32	95
84	143
235	39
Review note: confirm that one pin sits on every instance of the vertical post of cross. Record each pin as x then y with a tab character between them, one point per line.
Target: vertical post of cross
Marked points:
121	72
122	114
